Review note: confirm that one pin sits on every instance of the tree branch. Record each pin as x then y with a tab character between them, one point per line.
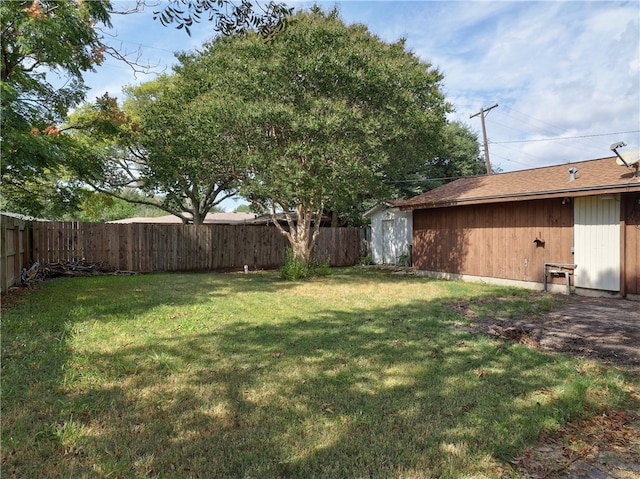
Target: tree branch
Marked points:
133	64
139	7
285	233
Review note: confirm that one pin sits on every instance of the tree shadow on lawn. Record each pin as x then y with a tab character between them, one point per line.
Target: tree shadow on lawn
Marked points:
37	359
139	294
383	393
175	290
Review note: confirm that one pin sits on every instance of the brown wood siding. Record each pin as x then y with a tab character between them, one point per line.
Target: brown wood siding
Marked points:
494	240
631	241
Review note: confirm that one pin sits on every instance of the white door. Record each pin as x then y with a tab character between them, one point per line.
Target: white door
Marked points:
596	240
388	250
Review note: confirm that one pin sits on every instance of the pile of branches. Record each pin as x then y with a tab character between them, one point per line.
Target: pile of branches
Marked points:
41	272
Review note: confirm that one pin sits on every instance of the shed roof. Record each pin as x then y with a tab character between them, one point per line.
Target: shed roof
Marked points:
20	217
385	205
599	176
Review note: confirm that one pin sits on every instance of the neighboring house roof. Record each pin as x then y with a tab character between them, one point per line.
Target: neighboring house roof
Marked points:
211	218
267	219
591	177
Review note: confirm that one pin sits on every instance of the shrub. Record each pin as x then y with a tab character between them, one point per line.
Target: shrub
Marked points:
293	269
403	260
366	261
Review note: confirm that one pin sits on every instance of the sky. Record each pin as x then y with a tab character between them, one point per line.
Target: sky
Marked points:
564	74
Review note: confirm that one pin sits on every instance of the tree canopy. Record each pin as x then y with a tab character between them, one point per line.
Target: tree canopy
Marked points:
168	142
459	156
321	117
326	113
46	47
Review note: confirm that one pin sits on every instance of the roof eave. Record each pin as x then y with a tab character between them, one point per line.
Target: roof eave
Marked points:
387	204
576	192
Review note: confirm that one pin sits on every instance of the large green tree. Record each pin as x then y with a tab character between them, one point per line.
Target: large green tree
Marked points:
459	156
173	141
327	113
456	154
46	47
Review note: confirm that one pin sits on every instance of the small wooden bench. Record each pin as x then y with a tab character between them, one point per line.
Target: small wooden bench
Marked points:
554	270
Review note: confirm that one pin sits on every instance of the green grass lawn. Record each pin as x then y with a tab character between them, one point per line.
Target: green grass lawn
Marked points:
358	374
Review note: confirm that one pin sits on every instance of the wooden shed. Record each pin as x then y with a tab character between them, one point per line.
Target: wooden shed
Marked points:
391	234
578	222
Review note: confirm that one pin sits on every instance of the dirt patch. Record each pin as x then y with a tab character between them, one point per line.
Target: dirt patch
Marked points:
15	296
599	328
603	329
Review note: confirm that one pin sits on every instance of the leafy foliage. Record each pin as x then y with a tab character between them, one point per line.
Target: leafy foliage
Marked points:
459	157
294	269
185	164
228	17
326	113
99	207
243	209
47	45
40	38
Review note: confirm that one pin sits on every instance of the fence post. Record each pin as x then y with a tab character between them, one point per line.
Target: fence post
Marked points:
3	255
14	250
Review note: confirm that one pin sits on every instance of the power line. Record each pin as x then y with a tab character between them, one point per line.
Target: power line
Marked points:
564	137
515	117
142	45
514	161
548	126
427	178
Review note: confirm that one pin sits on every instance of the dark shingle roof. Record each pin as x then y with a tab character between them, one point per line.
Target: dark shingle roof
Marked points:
592	177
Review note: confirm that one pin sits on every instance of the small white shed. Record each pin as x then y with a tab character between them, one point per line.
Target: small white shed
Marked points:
391	234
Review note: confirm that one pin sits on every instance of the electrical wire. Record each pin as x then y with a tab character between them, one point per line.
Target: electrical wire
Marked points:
563	137
524	125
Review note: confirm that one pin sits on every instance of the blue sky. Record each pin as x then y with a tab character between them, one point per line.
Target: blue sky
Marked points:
568	70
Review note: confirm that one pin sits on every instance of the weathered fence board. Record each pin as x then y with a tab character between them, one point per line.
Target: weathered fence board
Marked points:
176	247
14	250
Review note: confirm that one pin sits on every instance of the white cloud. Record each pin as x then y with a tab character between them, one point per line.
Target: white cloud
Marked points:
566	68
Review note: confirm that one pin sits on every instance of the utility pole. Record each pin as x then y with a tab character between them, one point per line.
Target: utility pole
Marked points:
484	135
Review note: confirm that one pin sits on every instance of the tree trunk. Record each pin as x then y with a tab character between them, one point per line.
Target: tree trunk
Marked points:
198	218
334	219
302	235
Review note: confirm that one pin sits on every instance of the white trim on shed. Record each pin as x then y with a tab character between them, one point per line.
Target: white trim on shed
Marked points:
391	234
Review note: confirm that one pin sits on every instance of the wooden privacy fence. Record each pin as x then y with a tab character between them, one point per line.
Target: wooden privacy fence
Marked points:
176	247
14	250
